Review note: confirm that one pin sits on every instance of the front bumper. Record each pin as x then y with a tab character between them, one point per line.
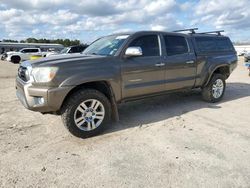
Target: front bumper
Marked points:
40	99
8	58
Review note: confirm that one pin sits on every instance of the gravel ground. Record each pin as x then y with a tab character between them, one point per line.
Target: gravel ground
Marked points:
169	141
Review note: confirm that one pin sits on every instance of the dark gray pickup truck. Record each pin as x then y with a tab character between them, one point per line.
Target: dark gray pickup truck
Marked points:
85	89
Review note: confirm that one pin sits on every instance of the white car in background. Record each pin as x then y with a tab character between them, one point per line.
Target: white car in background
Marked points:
241	53
69	50
24	54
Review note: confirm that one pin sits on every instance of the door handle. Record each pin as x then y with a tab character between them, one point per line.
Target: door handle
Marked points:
160	64
190	62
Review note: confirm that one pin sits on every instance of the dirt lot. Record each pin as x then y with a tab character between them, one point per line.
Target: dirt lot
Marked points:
169	141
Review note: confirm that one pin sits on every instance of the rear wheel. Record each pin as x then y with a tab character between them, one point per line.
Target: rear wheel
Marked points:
86	113
215	89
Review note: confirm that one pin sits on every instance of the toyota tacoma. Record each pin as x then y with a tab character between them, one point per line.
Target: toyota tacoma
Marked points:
85	89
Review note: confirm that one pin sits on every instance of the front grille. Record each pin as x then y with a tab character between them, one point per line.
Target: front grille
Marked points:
22	73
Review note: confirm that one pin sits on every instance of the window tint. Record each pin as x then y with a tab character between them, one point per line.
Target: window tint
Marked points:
149	45
213	44
29	50
223	44
175	45
73	50
81	48
205	44
76	49
33	50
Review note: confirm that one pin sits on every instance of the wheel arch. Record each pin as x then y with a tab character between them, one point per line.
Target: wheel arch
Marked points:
223	69
101	86
15	56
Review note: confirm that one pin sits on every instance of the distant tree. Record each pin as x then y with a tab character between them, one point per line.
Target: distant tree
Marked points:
241	43
9	40
31	40
64	42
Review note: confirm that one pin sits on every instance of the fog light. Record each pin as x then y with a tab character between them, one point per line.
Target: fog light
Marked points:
39	100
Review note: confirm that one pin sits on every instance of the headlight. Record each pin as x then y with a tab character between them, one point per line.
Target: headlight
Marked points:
43	74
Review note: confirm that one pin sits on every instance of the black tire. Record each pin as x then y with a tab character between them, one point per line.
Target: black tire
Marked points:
70	106
207	92
15	59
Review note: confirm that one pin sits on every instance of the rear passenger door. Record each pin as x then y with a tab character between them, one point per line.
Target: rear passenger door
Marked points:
180	62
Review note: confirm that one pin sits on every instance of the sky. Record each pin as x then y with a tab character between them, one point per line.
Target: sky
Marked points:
87	20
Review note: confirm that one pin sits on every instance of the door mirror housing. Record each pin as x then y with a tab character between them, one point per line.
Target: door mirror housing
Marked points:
133	51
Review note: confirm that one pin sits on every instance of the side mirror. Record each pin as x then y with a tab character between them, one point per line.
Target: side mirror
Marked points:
133	52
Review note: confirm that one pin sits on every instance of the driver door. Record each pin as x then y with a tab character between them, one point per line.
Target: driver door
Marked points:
144	74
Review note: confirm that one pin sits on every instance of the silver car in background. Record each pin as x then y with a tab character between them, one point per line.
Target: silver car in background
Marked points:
247	57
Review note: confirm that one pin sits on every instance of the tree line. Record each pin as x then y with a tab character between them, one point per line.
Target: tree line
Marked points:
64	42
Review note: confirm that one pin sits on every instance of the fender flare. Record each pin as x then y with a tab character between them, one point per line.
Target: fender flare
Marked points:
115	114
212	72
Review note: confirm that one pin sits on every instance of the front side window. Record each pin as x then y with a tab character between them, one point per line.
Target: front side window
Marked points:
175	45
25	51
149	45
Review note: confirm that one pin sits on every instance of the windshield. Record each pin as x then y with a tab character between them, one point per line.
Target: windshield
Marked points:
106	45
64	50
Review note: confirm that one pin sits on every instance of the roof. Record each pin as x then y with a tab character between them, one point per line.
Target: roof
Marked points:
167	32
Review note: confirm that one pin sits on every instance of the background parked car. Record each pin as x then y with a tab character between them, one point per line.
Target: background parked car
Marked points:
24	54
242	53
247	57
69	50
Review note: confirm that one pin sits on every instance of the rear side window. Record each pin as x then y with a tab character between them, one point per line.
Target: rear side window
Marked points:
149	45
213	44
175	45
223	44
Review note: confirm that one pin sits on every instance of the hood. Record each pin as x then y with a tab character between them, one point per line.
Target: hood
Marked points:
11	52
56	60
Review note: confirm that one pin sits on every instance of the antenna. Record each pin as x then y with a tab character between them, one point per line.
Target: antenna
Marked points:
210	32
192	30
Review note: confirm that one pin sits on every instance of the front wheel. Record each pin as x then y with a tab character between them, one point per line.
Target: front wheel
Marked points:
215	89
15	59
86	113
